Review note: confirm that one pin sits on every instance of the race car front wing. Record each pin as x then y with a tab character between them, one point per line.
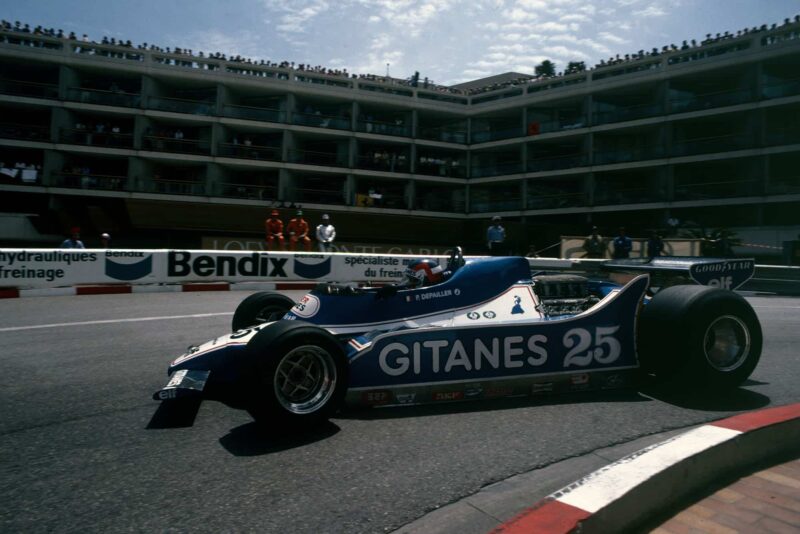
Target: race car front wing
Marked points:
184	383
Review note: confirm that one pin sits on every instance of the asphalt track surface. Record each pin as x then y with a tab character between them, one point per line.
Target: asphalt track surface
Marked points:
84	448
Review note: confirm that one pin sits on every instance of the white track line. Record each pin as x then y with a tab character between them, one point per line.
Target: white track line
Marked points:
112	321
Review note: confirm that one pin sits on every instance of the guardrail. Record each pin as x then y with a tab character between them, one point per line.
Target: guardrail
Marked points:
52	268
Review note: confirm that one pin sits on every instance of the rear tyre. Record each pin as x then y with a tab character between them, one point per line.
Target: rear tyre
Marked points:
700	336
260	308
299	375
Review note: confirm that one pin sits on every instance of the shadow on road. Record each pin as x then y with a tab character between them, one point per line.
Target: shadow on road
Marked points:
727	400
178	413
253	439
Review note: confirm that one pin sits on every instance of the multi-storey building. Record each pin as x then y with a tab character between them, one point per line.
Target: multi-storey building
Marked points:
145	141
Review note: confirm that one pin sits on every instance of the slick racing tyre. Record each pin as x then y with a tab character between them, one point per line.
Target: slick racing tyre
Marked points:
299	376
260	308
699	335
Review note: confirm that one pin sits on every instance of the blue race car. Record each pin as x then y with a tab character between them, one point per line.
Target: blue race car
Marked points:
489	330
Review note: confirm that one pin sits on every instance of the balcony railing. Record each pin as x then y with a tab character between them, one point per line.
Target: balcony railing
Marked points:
445	134
106	98
310	157
384	128
177	105
496	135
540	127
438	167
249	191
94	138
438	201
321	121
178	187
497	169
495	205
716	189
24	132
608	156
642	111
90	181
319	196
557	162
783	137
707	145
181	146
780	89
384	162
629	195
254	114
783	185
30	89
548	200
710	100
238	150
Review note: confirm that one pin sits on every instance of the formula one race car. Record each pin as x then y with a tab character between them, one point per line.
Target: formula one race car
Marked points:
492	329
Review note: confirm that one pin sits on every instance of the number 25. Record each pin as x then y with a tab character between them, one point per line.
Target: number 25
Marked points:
580	340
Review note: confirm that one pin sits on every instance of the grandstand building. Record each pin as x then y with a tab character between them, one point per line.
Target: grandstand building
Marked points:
167	149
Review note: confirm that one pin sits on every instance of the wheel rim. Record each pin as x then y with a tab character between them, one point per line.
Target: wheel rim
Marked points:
305	379
727	343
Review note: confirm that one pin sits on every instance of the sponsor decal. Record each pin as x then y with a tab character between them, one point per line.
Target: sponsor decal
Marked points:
377	397
726	274
128	271
517	305
613	381
456	292
473	392
181	263
434	295
489	314
16	267
448	395
542	387
406	398
495	392
579	379
473	315
309	269
307	307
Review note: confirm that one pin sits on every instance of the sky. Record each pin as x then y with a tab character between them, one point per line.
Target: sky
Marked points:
448	41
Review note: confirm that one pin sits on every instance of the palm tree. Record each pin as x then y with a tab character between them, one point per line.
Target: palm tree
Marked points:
545	69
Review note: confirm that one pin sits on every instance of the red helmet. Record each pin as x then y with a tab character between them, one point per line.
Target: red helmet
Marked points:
423	273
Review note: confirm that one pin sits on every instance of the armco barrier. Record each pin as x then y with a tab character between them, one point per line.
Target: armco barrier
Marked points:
28	272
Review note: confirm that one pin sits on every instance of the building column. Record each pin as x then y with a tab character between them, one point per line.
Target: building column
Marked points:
52	164
67	79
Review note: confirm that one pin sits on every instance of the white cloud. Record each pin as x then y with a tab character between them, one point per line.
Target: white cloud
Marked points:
650	11
610	37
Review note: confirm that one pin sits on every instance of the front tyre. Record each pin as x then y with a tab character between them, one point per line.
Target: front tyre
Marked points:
260	308
299	375
699	335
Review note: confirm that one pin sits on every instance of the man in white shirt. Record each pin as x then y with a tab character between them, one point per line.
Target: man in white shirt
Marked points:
326	233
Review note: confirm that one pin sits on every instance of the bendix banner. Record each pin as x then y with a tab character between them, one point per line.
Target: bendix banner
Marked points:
41	268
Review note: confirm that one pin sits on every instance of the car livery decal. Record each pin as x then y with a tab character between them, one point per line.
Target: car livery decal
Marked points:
601	340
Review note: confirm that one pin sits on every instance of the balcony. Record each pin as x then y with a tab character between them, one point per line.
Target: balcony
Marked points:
783	137
495	205
605	157
90	181
448	168
542	200
384	162
310	157
180	146
716	189
318	120
105	98
29	89
254	114
780	89
496	135
24	132
319	196
238	150
93	138
540	127
612	194
178	105
384	128
557	163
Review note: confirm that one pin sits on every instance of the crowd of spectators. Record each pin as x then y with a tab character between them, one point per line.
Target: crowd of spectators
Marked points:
414	80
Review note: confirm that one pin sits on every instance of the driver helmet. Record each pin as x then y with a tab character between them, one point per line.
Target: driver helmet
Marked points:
423	273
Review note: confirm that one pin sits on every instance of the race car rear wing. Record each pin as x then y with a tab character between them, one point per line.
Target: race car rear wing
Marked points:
667	271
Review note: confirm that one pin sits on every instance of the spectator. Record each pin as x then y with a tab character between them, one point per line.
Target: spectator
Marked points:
74	240
594	245
105	240
298	231
655	245
622	245
274	230
496	237
326	233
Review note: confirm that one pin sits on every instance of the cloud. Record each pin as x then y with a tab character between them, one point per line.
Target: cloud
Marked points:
650	11
610	37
